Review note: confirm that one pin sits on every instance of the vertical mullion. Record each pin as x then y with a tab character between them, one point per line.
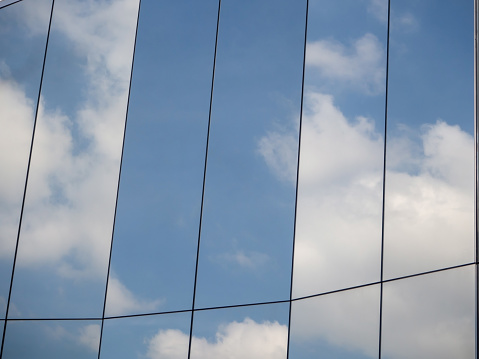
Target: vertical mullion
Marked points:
297	173
204	179
118	183
384	182
26	179
476	148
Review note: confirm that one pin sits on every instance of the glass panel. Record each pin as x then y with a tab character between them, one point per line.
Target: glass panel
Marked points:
152	337
156	232
429	218
248	214
52	339
21	61
430	316
338	228
340	325
256	332
67	223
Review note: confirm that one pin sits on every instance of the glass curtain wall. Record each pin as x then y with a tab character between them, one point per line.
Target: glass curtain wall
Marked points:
238	179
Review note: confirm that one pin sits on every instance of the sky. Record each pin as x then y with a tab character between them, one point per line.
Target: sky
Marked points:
249	205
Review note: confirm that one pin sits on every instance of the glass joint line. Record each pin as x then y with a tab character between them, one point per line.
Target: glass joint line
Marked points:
204	180
247	304
476	177
384	182
12	3
297	176
118	183
26	181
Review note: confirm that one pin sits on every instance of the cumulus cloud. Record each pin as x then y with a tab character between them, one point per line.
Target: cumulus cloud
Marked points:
234	340
120	300
429	204
16	115
429	224
71	190
360	65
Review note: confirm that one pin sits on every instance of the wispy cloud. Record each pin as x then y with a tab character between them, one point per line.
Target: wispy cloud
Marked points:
360	65
120	300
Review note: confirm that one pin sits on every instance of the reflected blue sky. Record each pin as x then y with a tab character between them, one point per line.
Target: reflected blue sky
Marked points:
250	185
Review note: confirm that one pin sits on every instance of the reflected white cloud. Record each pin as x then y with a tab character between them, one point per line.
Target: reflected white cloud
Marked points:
246	339
405	21
430	316
429	223
250	260
120	300
87	336
429	206
379	8
359	65
71	193
90	336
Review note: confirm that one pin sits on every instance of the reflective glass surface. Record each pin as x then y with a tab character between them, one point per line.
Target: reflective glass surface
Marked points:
156	231
153	337
52	339
430	316
339	325
70	200
255	332
248	214
429	216
21	61
338	228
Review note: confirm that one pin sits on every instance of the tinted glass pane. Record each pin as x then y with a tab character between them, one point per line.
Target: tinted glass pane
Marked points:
340	325
247	228
152	337
429	218
338	229
52	339
21	61
248	332
159	203
430	316
67	222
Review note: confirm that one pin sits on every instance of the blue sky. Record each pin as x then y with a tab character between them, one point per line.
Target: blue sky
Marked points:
249	200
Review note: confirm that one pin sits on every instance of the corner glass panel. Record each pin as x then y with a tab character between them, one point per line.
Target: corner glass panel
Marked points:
338	225
156	230
429	215
255	332
52	339
248	215
430	316
68	217
152	337
339	325
22	40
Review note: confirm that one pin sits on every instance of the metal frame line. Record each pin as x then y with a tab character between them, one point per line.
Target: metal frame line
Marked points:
297	176
4	6
384	182
204	179
254	303
26	179
476	178
118	183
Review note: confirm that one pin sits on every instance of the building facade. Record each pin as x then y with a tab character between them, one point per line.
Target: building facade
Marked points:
238	179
